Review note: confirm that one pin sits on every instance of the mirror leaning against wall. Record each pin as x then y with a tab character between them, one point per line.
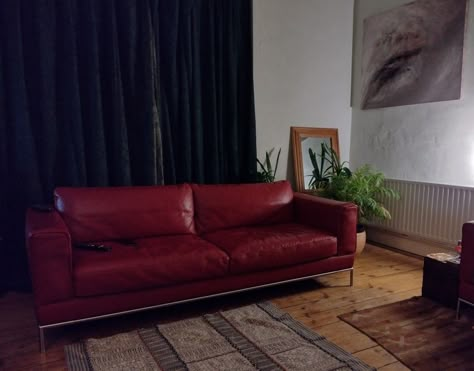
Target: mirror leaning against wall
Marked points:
310	166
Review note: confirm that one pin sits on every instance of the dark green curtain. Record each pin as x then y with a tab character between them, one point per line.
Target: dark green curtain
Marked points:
207	101
79	105
106	92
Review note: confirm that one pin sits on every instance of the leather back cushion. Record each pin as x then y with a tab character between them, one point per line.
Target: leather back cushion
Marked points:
114	213
234	205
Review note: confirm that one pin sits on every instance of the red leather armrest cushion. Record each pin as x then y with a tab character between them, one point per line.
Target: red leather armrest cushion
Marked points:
50	256
338	218
467	253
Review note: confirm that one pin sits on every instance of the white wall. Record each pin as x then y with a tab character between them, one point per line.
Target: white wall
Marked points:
302	71
431	142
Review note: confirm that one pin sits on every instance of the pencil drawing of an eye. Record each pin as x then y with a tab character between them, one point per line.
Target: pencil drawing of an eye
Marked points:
413	54
398	71
394	67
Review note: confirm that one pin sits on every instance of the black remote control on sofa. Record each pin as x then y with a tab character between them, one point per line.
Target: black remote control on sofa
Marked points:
42	208
93	247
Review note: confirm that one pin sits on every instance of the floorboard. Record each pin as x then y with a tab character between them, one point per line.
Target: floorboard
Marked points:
381	277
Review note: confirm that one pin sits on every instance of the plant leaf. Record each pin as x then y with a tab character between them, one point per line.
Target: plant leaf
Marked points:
276	164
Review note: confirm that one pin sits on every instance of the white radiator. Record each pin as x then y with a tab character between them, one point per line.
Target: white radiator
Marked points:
431	212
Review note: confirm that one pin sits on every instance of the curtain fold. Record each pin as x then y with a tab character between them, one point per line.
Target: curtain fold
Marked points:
120	92
208	115
79	104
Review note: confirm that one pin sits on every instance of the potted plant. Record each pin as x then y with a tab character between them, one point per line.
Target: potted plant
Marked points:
321	174
366	188
267	172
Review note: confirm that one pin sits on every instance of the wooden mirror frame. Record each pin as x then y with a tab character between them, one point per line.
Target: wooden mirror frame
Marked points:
297	134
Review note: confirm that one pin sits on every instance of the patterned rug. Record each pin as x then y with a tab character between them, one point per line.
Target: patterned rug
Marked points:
419	332
254	337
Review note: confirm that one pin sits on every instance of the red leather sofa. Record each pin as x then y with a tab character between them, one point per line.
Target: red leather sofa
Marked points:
171	244
466	276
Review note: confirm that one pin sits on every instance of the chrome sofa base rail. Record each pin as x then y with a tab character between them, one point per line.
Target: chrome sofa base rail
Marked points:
42	339
458	307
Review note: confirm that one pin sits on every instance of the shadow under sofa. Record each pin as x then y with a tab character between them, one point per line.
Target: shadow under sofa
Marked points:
171	244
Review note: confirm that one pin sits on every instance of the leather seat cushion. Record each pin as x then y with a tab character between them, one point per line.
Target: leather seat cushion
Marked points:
258	248
149	262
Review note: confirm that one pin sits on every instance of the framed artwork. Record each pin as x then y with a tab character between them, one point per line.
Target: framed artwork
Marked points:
413	54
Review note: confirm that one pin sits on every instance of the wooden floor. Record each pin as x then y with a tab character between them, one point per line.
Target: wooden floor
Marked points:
381	277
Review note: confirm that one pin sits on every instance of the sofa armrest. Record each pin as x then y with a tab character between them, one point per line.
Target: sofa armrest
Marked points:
49	249
338	218
467	253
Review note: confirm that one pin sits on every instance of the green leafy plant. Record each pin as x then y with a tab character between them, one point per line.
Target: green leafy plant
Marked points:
267	172
321	175
336	167
366	188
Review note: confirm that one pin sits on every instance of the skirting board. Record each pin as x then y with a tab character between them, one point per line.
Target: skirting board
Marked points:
406	243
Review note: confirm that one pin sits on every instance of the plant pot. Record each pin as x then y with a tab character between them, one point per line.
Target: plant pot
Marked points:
361	240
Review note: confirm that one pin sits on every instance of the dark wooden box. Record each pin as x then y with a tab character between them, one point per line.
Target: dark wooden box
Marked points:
441	281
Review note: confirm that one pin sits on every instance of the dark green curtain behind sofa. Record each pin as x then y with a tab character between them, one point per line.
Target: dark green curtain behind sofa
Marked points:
79	104
207	116
119	92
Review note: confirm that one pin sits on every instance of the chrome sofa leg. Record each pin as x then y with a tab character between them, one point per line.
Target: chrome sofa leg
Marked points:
458	309
352	277
42	342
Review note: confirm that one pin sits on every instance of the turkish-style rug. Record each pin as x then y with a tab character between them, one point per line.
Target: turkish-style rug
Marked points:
254	337
422	334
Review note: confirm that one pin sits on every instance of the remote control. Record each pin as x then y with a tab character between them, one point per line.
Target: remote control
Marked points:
42	208
128	242
93	247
